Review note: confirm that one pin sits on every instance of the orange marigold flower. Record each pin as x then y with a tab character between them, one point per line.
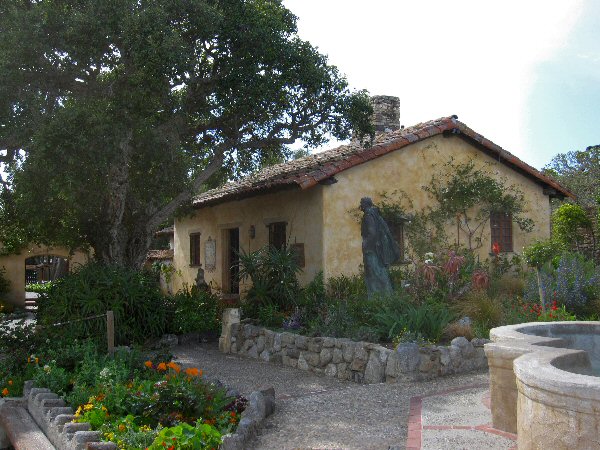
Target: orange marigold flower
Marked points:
174	366
148	364
122	427
161	366
192	371
10	382
5	392
100	397
37	360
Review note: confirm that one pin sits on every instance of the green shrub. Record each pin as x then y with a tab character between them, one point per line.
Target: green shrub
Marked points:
397	313
39	287
133	296
484	311
273	273
194	310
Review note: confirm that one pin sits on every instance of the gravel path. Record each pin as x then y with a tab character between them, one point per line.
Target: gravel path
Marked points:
317	412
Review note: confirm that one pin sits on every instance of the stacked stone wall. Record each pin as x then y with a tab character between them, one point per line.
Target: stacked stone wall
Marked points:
360	362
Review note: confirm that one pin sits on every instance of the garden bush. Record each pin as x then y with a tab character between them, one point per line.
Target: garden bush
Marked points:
133	296
273	273
194	310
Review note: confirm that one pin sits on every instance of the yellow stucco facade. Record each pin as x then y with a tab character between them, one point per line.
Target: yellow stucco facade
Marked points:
14	266
302	212
324	217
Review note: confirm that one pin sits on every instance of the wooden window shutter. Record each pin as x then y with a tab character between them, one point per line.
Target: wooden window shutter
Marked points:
277	235
501	231
194	249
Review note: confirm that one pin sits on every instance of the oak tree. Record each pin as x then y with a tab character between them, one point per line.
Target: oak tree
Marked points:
115	113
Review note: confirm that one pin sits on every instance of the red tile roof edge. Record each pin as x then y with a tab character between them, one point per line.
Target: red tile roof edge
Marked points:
320	170
445	124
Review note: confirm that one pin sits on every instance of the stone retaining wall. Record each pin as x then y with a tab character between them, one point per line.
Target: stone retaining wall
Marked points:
361	362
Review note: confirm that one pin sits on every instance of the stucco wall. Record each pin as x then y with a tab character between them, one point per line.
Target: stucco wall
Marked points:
408	170
15	268
301	210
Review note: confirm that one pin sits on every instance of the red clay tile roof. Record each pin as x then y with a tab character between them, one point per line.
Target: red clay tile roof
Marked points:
159	254
311	170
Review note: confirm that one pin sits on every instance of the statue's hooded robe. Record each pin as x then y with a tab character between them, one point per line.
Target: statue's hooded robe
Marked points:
380	251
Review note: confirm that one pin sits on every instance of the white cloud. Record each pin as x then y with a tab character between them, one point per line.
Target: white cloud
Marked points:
473	58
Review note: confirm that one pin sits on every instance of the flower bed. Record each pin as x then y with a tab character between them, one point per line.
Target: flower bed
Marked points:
163	406
135	405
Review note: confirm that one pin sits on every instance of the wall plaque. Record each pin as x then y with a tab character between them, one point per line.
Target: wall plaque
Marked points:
210	255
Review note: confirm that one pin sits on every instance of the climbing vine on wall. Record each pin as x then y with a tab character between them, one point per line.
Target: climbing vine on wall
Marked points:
464	196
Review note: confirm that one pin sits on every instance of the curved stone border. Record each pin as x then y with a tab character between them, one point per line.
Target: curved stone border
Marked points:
361	362
55	419
261	404
539	389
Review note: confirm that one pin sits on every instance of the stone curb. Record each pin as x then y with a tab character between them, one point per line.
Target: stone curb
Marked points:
56	421
360	362
261	404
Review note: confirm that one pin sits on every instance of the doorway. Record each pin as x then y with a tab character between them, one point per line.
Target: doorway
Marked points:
231	269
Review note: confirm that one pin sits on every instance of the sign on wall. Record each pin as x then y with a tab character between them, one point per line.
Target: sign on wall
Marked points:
210	255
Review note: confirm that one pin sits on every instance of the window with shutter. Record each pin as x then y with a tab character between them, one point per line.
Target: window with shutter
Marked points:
501	230
277	235
194	249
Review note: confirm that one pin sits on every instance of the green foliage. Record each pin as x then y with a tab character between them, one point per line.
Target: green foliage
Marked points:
467	195
194	310
273	273
568	222
541	252
397	313
38	288
187	437
485	311
149	103
579	171
556	314
133	296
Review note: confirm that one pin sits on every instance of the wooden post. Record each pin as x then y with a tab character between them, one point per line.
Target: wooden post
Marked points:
110	331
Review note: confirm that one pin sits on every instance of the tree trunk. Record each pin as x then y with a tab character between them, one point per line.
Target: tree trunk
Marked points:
541	289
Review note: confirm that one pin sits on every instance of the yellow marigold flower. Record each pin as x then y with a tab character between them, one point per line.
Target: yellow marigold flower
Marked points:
122	427
5	392
174	366
37	360
87	406
148	364
145	428
10	382
192	372
162	366
103	408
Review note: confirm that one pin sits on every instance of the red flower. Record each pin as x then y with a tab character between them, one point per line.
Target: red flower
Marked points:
496	248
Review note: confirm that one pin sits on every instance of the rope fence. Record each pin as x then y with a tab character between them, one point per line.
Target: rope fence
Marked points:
110	327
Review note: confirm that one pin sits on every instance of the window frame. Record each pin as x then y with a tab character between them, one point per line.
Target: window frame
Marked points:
501	232
274	235
195	249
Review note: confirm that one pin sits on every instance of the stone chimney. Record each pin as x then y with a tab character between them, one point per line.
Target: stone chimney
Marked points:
386	113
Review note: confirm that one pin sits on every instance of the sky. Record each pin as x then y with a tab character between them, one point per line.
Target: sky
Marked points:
523	73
